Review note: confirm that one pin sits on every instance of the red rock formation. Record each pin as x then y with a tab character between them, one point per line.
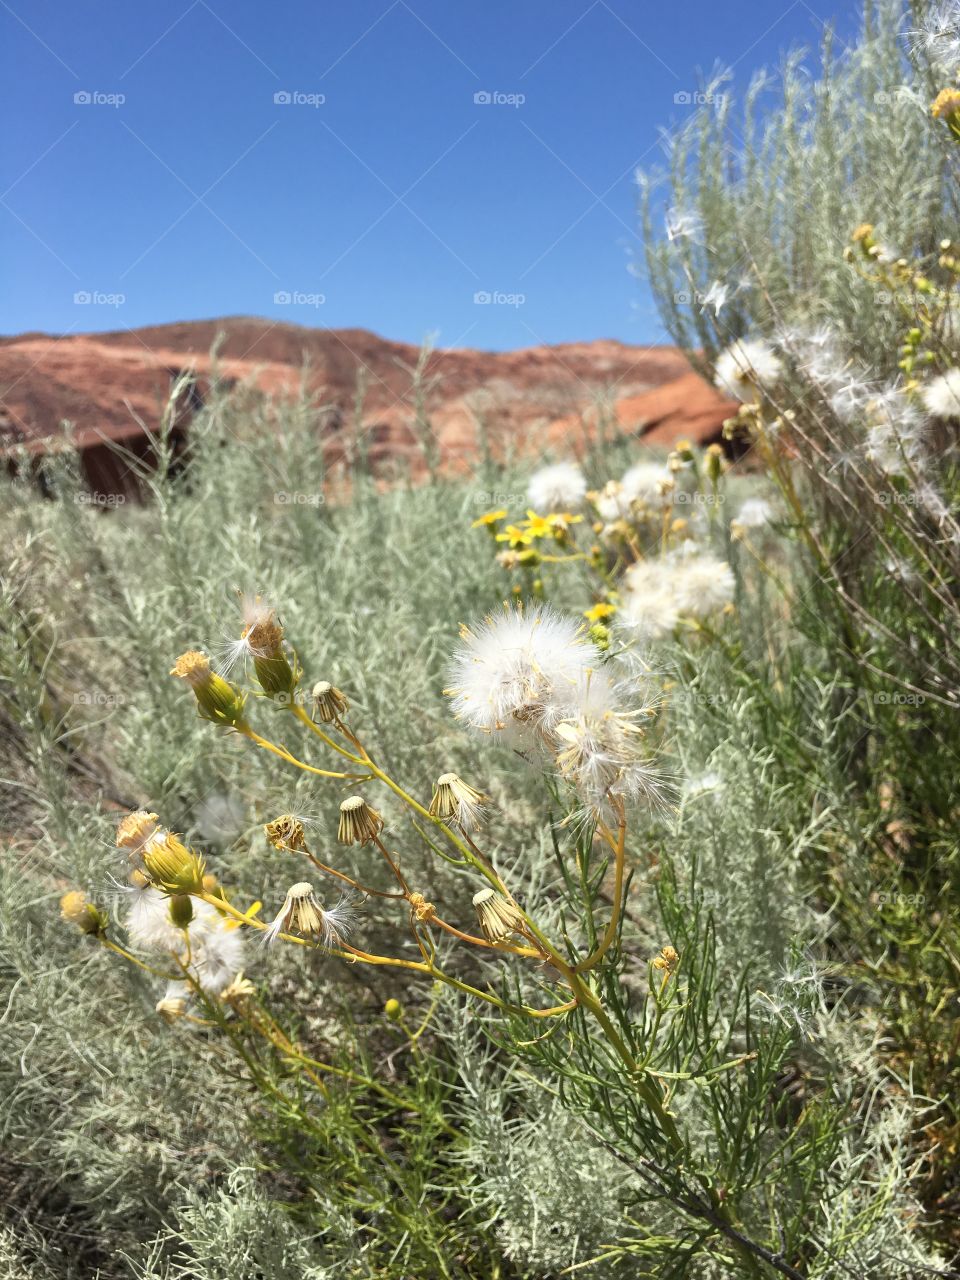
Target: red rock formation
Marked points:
109	385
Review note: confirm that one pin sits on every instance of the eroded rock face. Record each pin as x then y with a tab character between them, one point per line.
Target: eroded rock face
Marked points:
106	385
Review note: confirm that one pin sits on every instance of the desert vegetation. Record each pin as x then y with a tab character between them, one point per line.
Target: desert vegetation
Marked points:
400	885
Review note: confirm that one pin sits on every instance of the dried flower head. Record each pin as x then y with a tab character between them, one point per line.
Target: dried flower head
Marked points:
421	910
286	832
238	991
261	640
456	801
174	1003
136	830
303	913
498	916
359	822
329	704
78	911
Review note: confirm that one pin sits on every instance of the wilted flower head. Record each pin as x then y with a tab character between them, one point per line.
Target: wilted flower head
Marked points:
456	801
302	912
329	704
559	487
747	366
519	672
498	916
173	1005
286	832
136	830
942	395
359	822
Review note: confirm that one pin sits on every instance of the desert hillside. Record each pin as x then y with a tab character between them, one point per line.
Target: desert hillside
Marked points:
106	385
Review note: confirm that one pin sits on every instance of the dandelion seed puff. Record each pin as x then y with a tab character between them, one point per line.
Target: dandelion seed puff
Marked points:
942	395
704	584
603	749
612	502
560	487
938	36
217	955
646	481
147	920
340	920
519	671
745	366
897	433
648	605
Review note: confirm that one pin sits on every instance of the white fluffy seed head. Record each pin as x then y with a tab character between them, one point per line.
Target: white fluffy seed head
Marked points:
941	396
746	366
658	593
648	605
557	488
646	481
517	673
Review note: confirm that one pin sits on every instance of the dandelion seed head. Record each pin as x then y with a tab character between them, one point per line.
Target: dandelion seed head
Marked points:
941	395
559	487
745	366
647	482
520	671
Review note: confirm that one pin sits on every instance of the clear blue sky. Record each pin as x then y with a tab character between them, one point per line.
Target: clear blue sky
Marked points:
396	200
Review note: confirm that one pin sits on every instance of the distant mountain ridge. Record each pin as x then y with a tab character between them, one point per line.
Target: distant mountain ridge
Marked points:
106	384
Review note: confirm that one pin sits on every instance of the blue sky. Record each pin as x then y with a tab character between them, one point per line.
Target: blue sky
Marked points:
382	194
